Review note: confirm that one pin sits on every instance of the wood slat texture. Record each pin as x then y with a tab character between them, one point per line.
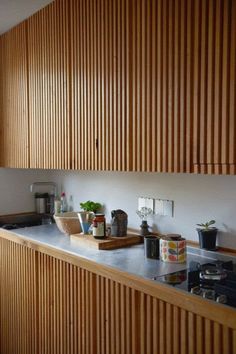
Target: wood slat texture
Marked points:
18	293
48	68
124	85
53	306
151	89
100	40
14	150
215	87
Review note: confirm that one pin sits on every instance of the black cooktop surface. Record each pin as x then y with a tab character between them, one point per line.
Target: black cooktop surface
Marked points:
215	281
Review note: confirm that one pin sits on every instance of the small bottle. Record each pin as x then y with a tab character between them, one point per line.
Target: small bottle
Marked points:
99	226
63	202
57	205
70	203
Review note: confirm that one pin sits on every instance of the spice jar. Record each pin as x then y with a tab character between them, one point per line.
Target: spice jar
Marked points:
99	226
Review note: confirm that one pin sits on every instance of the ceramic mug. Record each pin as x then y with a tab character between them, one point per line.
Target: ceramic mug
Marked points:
151	246
173	251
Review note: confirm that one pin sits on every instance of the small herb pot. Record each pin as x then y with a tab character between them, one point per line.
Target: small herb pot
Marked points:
207	238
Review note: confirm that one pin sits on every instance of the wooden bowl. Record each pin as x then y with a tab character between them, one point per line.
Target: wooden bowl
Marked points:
68	223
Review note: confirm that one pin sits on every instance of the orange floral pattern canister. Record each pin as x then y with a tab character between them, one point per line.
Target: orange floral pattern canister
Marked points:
173	250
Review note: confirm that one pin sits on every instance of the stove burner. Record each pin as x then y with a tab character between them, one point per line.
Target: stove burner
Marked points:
213	274
214	281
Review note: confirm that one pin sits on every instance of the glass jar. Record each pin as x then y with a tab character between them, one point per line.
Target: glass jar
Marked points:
99	226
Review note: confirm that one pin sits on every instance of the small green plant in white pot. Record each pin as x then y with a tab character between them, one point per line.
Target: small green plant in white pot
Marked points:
207	235
86	216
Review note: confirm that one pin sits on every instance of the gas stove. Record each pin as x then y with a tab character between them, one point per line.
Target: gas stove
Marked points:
215	281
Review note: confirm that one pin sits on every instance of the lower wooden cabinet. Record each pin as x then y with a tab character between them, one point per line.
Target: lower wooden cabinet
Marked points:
48	305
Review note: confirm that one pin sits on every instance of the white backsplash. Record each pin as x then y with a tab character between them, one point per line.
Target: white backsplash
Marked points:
15	189
197	198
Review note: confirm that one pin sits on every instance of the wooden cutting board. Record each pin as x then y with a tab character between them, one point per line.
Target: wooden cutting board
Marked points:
109	243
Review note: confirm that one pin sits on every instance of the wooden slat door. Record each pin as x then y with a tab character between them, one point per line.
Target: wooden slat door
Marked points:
132	85
100	36
18	299
215	87
48	66
14	149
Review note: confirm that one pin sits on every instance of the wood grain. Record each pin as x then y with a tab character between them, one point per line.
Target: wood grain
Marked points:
49	87
123	85
14	127
214	119
108	243
54	306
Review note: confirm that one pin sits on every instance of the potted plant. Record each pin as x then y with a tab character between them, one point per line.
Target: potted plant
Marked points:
207	235
90	206
86	216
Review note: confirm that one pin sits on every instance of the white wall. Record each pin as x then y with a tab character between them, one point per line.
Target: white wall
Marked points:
15	195
197	198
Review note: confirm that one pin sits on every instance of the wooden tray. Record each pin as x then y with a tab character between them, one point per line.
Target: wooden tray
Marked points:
109	243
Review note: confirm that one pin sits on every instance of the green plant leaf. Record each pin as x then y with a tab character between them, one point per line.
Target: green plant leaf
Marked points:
90	206
207	224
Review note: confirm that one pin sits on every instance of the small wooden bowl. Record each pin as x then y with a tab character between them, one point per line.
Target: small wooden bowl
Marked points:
68	223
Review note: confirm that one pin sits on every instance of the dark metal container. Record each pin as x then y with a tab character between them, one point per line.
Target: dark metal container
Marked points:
152	246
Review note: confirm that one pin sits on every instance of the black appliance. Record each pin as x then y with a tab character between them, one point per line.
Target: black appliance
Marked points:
215	281
20	225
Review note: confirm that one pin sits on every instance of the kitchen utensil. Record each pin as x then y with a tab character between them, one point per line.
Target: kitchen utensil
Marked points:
41	200
109	243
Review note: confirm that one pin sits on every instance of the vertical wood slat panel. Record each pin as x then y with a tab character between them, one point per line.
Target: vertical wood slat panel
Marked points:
55	307
17	299
14	98
162	93
100	82
122	85
213	143
49	79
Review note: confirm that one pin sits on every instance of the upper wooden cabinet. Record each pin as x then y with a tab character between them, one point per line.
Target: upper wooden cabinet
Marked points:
214	87
130	85
100	85
161	65
14	98
48	70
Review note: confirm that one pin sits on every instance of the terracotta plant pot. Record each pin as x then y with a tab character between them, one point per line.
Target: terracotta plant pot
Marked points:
207	238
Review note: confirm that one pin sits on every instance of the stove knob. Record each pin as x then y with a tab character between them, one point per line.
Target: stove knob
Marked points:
222	299
195	290
209	294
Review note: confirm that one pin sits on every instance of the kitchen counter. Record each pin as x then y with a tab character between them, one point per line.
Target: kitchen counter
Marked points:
69	298
128	259
126	265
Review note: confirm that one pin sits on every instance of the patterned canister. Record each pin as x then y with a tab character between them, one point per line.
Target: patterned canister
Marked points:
173	249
